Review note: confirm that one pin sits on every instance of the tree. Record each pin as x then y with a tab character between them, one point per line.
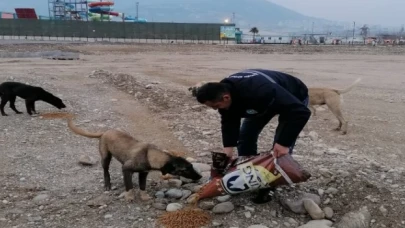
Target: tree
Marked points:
364	32
255	31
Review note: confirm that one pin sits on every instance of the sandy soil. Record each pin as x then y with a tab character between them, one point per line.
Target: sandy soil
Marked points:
40	157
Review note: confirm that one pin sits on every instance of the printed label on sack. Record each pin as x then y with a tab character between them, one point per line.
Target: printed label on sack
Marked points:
247	177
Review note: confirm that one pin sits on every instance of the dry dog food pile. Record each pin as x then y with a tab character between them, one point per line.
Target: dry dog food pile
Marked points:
186	218
56	115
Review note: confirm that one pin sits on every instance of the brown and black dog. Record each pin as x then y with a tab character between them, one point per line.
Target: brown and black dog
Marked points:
135	156
9	91
332	98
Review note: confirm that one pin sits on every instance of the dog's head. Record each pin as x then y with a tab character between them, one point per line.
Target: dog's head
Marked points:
179	166
57	102
52	99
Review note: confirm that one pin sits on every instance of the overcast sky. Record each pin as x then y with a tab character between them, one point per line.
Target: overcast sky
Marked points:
384	12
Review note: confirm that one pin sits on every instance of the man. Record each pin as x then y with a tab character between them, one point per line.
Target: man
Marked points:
257	95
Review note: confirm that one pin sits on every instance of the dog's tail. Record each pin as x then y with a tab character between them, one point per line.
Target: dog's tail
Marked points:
342	91
82	132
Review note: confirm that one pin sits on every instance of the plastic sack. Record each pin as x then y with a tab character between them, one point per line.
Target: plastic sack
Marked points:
255	172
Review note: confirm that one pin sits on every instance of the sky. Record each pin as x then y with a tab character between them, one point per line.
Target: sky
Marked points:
383	12
377	12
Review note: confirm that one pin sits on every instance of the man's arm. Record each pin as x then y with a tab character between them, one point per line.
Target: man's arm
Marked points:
230	126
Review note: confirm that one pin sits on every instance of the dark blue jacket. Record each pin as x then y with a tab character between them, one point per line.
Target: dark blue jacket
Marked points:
253	95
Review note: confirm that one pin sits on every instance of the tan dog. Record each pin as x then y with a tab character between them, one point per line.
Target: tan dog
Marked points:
135	156
332	98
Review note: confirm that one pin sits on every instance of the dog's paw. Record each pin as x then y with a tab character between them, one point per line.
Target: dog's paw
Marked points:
107	187
145	196
129	195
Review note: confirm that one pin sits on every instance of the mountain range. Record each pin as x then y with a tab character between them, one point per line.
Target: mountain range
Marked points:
246	13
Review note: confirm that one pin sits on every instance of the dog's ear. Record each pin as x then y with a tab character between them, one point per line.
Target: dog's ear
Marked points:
167	168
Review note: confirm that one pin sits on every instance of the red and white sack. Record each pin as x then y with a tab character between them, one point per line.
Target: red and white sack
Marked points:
256	172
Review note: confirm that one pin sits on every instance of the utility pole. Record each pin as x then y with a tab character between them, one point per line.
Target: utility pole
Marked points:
233	17
354	27
137	10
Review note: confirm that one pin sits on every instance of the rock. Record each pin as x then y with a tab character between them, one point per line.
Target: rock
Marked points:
216	224
159	206
321	192
328	212
225	207
40	197
85	160
292	221
257	226
176	183
160	194
355	219
327	201
331	190
273	213
313	135
35	219
317	224
248	214
383	210
99	201
196	188
223	198
318	152
192	199
201	167
325	172
313	209
108	216
185	180
186	194
249	208
297	205
149	86
174	207
174	193
206	205
190	159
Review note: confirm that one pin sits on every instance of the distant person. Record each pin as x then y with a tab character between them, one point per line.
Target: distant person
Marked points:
257	95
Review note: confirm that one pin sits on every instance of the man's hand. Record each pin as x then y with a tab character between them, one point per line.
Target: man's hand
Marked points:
228	151
280	150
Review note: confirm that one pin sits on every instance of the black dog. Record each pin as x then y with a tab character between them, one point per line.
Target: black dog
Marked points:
10	90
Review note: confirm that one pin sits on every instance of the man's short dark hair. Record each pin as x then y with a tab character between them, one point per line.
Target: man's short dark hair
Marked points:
212	91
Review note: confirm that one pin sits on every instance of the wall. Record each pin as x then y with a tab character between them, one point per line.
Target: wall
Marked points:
129	30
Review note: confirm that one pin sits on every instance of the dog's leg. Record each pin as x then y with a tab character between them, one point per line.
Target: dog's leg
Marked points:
129	188
28	105
105	162
142	186
12	104
4	100
33	108
333	104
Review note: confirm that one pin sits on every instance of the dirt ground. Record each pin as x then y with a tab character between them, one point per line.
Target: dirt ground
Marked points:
39	157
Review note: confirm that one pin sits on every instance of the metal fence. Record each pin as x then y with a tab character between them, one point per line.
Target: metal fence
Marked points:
109	29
